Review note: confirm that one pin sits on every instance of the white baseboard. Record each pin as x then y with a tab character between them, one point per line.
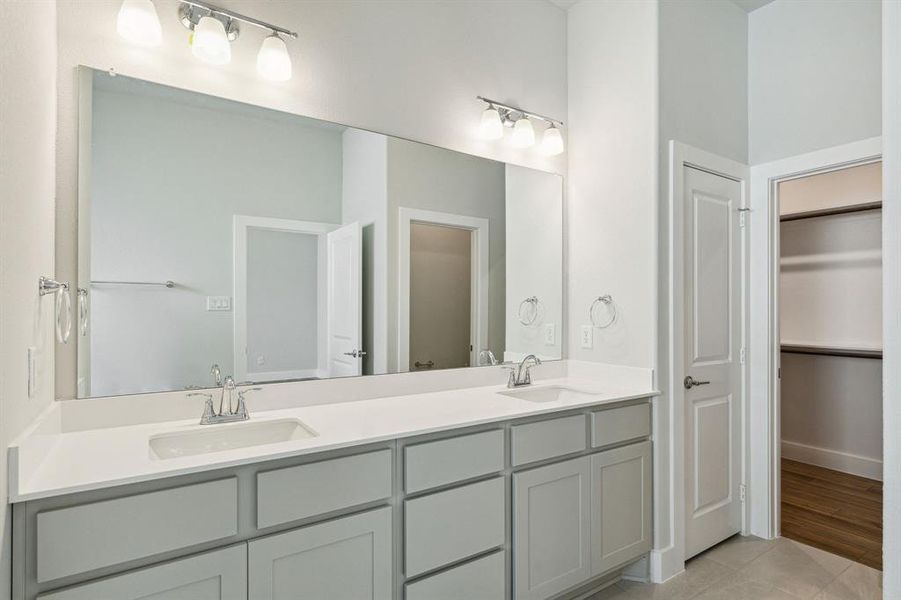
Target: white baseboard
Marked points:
665	564
862	466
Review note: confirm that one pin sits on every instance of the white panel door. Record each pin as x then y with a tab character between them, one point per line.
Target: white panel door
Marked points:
713	290
345	301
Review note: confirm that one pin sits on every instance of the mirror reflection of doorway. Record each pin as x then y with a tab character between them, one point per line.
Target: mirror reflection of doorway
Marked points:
440	296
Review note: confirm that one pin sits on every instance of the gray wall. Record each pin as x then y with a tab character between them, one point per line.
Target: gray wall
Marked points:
169	173
815	75
430	178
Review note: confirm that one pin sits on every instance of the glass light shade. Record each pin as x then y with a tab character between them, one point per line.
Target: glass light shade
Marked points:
273	61
523	133
210	44
552	141
138	23
491	128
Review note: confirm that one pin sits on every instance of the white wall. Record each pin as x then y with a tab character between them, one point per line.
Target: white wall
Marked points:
27	155
891	244
814	72
534	219
170	169
612	180
409	69
365	200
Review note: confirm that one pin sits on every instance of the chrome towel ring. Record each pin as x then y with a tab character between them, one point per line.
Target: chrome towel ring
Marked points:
62	305
607	300
530	316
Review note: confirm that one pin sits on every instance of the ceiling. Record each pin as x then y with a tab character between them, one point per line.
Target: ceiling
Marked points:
746	5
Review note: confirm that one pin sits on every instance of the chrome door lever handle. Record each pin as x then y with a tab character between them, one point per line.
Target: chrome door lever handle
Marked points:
690	382
356	353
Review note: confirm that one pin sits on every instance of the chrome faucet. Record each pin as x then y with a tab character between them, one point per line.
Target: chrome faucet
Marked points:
522	375
486	357
227	412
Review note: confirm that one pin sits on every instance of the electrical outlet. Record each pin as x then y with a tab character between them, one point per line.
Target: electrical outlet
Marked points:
261	360
587	337
550	334
218	303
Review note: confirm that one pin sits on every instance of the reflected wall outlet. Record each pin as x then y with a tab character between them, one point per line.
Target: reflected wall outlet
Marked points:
550	334
218	303
587	336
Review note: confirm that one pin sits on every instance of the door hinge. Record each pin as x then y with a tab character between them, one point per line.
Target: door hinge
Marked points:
742	216
742	492
741	356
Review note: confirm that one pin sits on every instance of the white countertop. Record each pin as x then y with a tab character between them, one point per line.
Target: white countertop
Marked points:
66	462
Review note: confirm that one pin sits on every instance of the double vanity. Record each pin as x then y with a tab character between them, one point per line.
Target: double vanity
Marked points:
481	492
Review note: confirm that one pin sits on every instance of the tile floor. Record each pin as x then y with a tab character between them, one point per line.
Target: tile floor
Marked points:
748	568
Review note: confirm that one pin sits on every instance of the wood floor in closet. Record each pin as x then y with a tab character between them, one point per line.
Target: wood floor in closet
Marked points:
833	511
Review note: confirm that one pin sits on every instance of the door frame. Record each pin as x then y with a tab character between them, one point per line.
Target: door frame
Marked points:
478	320
682	155
241	225
765	417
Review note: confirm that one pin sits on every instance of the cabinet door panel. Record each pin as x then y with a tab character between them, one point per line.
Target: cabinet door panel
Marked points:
620	506
550	528
346	558
217	575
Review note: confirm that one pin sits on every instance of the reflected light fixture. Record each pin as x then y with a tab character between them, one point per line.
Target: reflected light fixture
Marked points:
273	61
523	133
491	127
498	115
552	141
210	42
138	23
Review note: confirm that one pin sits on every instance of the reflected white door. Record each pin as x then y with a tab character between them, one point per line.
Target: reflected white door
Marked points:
713	290
344	252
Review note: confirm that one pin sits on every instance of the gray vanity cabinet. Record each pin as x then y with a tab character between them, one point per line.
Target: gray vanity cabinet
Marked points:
550	528
350	557
620	506
217	575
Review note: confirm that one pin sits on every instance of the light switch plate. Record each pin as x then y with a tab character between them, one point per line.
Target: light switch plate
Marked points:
587	337
550	334
214	303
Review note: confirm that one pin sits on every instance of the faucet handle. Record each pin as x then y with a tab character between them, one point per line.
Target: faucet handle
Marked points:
208	411
511	375
242	411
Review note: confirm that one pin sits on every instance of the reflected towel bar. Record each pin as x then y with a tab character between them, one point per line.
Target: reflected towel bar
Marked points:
168	284
831	351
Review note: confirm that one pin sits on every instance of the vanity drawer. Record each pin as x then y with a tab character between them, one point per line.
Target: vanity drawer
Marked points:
432	464
547	439
452	525
294	493
482	579
101	534
617	425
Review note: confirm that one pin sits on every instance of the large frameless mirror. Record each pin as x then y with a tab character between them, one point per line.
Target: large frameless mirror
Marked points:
278	247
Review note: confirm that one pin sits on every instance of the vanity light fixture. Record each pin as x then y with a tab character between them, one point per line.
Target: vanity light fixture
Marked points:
138	23
498	115
212	31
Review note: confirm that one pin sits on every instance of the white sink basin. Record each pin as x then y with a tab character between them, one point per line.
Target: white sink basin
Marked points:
216	438
550	393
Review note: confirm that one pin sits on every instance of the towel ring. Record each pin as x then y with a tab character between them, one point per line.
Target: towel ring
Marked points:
533	302
606	299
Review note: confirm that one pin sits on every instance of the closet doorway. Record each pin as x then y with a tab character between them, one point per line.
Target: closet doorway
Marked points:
829	303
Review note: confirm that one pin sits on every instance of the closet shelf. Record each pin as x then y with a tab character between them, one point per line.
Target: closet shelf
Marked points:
838	210
832	351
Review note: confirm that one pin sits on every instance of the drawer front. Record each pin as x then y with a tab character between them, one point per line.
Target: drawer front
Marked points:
546	439
101	534
432	464
216	575
294	493
482	579
452	525
620	425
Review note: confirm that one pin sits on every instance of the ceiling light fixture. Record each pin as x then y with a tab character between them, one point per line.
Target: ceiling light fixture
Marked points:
498	115
138	23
